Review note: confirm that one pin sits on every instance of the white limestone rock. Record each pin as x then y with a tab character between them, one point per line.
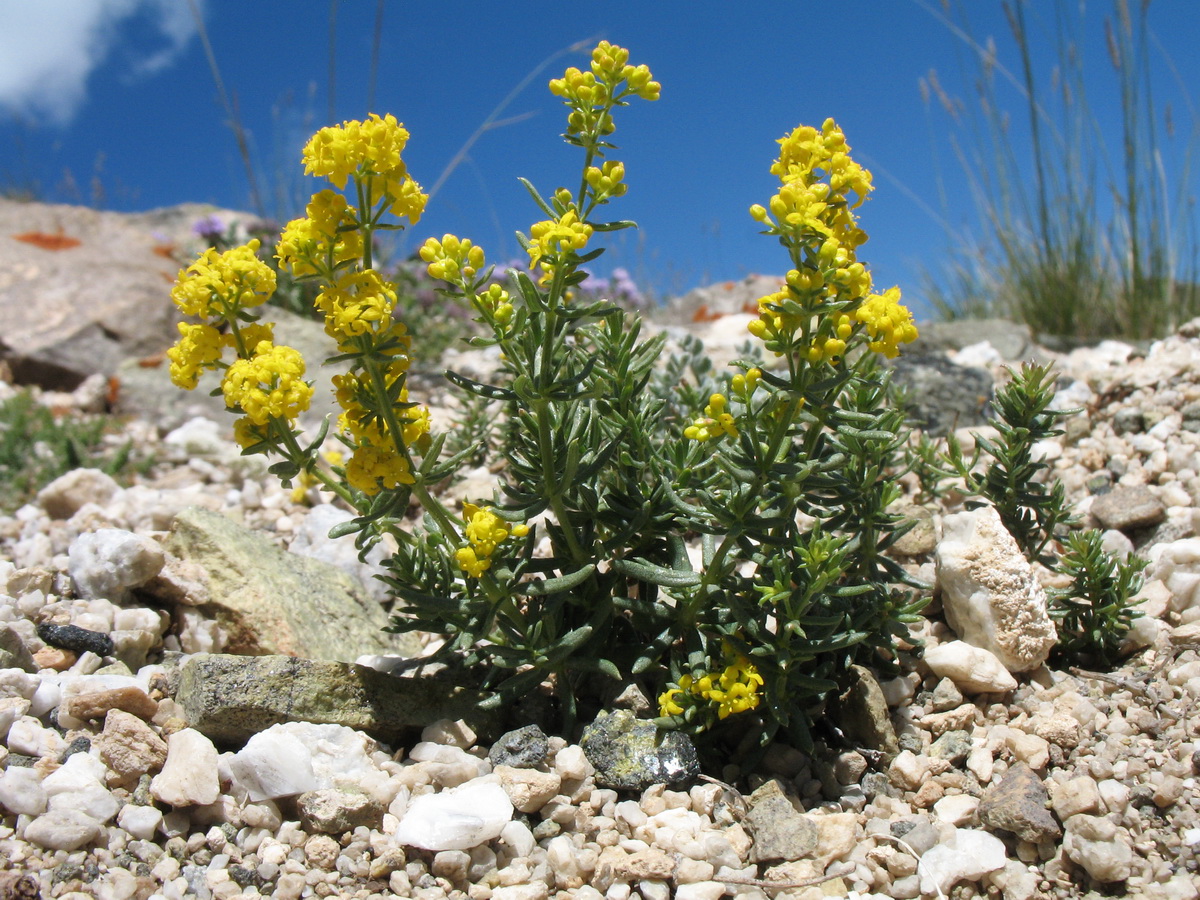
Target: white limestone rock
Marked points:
967	856
64	829
140	821
972	669
295	757
21	791
77	785
274	763
456	819
1177	565
189	776
109	562
1096	844
66	495
990	593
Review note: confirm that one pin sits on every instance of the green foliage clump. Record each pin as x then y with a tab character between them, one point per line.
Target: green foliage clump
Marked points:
37	446
1096	611
717	539
1032	507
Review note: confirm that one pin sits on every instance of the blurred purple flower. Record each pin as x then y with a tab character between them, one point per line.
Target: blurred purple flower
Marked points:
209	227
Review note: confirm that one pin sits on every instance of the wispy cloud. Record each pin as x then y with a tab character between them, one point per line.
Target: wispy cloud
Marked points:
49	49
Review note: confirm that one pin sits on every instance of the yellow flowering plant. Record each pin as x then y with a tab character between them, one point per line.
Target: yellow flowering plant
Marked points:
715	539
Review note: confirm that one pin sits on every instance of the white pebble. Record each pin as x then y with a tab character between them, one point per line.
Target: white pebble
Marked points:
140	821
456	819
21	791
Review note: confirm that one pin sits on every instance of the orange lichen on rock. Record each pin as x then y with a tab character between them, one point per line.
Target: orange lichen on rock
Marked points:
46	241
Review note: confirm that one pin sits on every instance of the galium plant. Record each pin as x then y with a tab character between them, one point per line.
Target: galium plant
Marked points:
581	573
1096	611
1033	507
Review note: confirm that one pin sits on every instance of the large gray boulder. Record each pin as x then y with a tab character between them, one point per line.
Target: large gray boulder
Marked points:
81	290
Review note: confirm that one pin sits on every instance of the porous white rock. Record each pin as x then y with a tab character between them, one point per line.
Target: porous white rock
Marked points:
972	669
189	776
108	562
957	809
456	819
11	709
990	594
967	856
18	683
27	735
448	766
1096	844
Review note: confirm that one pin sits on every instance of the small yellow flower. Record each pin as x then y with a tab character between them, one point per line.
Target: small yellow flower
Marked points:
218	284
889	323
452	259
357	303
667	704
198	348
327	237
553	239
373	468
485	531
715	424
356	148
268	385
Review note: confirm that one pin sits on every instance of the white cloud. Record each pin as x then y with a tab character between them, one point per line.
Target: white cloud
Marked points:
48	49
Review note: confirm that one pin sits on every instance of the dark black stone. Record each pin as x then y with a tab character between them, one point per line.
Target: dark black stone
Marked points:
79	745
68	871
524	748
74	638
244	877
631	754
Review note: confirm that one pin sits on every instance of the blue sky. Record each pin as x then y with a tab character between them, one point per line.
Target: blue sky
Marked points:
120	91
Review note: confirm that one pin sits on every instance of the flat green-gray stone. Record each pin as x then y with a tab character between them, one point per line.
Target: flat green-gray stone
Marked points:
270	601
231	698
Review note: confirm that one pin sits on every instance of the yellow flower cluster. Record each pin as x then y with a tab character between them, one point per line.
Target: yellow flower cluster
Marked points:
357	303
552	240
610	66
591	95
266	382
322	241
715	424
606	181
377	462
812	214
485	532
452	259
370	152
888	322
218	283
735	690
268	385
199	348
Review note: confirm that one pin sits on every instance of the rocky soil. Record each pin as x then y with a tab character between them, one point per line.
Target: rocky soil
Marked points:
181	715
